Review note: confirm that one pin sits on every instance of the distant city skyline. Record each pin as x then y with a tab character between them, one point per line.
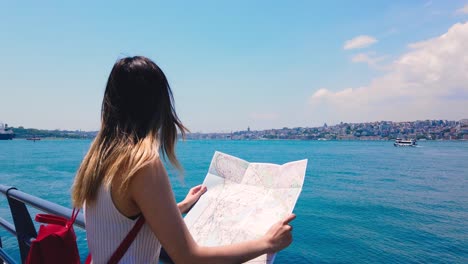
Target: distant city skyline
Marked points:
380	130
239	64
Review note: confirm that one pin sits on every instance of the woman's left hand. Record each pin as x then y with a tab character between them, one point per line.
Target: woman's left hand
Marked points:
191	198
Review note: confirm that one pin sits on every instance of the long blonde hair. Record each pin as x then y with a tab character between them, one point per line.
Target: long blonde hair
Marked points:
138	120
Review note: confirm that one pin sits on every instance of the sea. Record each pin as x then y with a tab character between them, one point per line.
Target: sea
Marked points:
362	201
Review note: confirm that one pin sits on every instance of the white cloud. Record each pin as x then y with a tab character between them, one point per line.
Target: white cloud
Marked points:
322	92
430	80
370	58
463	10
359	42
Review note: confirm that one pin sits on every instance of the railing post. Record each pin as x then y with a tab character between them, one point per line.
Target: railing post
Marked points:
1	260
25	229
4	258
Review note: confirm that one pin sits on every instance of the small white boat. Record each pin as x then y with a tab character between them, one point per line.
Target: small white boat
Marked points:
405	142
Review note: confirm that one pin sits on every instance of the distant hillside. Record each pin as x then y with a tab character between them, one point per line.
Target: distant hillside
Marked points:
21	132
378	130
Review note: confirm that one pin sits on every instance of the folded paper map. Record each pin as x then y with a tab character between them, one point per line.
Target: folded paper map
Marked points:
244	200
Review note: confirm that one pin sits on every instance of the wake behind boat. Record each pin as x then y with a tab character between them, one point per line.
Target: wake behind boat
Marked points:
405	142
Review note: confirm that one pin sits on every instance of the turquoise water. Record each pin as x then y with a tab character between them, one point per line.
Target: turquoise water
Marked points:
362	202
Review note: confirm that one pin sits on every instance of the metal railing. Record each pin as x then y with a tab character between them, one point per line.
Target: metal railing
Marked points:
23	228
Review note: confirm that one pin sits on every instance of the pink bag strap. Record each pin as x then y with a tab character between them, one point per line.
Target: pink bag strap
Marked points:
74	215
51	219
118	254
57	220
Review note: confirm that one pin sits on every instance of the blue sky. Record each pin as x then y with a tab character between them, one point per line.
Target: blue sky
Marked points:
234	64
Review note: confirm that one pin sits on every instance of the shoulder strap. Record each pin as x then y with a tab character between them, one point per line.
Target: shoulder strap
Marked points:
75	213
118	254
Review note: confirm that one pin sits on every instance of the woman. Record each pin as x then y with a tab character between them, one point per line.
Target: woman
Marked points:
122	177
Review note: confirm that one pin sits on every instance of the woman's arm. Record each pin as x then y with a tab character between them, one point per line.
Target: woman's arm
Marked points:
192	197
151	191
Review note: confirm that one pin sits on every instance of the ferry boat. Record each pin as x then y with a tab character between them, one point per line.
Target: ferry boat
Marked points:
405	142
5	132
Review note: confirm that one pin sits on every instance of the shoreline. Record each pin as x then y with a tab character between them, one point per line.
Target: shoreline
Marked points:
257	139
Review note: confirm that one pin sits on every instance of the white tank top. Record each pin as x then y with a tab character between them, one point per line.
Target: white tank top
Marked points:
106	228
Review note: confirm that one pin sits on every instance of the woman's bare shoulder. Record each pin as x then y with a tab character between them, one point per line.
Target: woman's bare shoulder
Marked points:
143	180
151	174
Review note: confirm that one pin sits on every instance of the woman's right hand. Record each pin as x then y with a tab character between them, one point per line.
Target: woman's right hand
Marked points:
279	235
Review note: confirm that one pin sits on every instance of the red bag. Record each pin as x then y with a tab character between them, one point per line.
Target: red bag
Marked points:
55	242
